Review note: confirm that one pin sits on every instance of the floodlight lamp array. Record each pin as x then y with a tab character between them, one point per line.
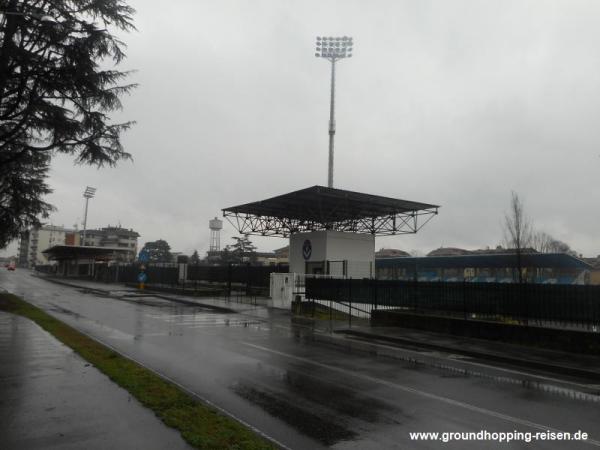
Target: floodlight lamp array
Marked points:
333	48
89	192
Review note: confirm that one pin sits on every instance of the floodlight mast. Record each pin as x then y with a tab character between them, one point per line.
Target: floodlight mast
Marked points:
333	49
87	194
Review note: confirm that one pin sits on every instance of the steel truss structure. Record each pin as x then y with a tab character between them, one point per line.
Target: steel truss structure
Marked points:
320	208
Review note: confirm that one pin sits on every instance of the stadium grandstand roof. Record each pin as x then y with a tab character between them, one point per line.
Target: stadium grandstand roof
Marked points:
538	260
322	208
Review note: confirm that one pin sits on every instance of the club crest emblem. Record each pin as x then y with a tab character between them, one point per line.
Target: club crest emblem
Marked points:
306	249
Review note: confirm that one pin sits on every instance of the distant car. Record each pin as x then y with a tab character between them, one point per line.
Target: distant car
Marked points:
11	266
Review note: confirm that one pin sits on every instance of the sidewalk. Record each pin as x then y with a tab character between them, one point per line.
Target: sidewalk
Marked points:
367	338
51	398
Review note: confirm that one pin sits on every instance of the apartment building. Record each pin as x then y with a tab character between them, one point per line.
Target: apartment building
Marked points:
114	237
36	240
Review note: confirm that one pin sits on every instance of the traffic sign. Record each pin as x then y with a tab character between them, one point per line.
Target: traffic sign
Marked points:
144	256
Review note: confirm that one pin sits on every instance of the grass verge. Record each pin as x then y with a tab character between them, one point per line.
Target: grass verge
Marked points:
201	426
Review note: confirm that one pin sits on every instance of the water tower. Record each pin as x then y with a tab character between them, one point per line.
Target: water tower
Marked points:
215	226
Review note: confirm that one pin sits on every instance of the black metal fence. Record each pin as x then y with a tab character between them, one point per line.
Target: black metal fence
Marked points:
155	274
243	278
256	276
46	268
576	306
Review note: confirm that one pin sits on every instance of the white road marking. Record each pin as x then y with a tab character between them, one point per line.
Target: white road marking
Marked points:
419	392
469	361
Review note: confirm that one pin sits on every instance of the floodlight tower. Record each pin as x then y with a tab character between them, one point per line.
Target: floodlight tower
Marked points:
87	194
333	49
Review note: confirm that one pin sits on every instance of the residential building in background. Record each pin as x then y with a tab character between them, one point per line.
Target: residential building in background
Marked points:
282	254
33	242
595	272
391	253
36	240
114	237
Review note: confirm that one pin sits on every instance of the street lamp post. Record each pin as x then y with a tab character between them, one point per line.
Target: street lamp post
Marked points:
333	49
87	194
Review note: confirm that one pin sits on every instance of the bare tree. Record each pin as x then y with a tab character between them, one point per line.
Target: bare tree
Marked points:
541	241
517	230
557	246
545	243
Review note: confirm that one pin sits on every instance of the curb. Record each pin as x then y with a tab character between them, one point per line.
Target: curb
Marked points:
222	309
164	297
76	286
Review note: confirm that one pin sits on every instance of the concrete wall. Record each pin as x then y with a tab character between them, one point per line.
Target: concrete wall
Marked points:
318	240
357	249
350	246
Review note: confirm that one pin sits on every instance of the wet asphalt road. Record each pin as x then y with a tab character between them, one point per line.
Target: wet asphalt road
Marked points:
260	368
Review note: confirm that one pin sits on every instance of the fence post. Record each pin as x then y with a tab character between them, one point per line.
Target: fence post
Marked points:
524	299
229	280
375	289
464	296
248	281
350	311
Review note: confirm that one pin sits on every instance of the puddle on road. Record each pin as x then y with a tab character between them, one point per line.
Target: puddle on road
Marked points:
338	398
124	292
323	428
322	409
450	366
203	318
423	362
59	309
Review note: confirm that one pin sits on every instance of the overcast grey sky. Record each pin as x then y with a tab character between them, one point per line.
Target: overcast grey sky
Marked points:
454	103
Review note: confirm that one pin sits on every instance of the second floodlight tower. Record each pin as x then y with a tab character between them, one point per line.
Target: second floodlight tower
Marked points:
87	194
333	49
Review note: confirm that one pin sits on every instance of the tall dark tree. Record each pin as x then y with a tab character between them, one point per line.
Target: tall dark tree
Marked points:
227	256
158	251
58	85
243	250
517	231
195	258
22	186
